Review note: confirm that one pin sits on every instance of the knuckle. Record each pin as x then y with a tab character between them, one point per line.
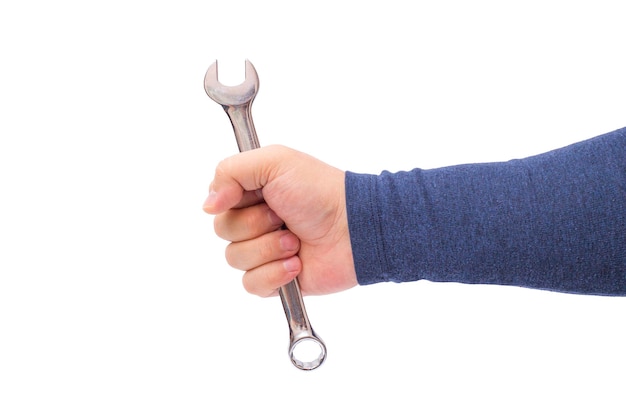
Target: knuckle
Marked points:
266	249
223	167
218	226
232	257
262	281
248	284
250	226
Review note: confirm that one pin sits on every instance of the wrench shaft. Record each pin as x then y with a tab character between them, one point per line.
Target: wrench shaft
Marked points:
245	133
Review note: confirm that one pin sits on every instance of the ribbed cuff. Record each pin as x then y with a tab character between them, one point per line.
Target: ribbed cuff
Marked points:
365	228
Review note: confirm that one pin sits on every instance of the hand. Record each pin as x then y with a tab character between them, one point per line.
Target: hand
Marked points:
254	192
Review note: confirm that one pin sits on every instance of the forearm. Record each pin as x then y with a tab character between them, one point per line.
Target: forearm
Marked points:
555	221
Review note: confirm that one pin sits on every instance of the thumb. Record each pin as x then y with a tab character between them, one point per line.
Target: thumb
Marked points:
239	178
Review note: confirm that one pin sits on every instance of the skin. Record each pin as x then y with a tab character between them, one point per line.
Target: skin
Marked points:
255	192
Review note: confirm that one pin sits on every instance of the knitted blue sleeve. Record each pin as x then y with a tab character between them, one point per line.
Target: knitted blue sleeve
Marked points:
555	221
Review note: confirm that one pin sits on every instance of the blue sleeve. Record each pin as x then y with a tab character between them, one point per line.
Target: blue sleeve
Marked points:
555	221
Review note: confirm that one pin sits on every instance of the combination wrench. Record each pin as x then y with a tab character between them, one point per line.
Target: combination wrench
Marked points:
304	343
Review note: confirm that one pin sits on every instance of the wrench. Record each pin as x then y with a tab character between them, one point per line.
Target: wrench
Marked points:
304	344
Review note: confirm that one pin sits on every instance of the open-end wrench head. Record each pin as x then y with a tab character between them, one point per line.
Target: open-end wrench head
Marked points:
231	95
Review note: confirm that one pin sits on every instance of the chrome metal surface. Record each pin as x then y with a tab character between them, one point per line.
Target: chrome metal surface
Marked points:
306	349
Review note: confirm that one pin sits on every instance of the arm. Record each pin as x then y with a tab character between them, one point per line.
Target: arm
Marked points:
556	221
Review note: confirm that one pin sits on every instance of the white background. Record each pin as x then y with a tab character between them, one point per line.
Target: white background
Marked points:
115	298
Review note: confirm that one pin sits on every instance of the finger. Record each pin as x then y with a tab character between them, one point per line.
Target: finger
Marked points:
269	247
250	198
213	203
265	280
246	223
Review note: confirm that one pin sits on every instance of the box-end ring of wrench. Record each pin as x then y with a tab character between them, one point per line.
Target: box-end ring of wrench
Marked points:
237	102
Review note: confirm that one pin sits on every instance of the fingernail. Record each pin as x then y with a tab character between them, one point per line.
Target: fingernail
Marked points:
210	200
292	264
274	219
289	242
